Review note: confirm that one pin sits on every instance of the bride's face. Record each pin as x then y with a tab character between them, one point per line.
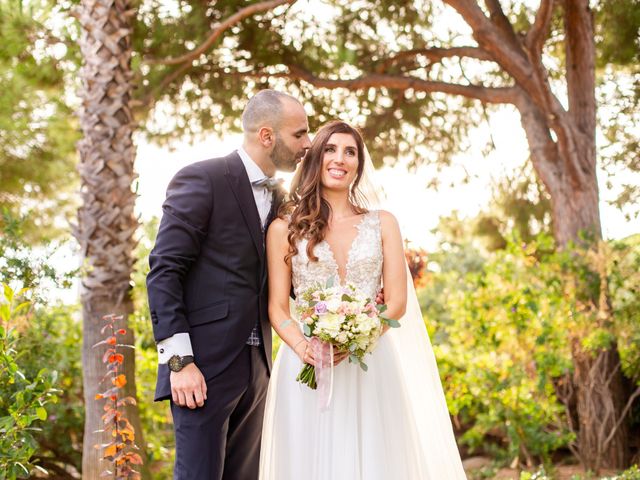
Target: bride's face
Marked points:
339	162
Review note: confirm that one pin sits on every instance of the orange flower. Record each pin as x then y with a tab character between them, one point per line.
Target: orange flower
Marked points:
120	381
116	357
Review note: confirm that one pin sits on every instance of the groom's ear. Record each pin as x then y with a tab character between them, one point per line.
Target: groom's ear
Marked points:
266	136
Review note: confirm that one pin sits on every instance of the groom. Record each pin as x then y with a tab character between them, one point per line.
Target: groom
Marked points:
208	292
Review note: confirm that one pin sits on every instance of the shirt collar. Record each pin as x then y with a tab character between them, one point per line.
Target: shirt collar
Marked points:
253	170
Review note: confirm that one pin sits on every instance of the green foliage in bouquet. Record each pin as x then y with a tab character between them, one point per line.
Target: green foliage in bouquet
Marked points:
22	398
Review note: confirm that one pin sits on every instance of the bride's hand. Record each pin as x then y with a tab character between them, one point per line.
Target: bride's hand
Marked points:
305	352
339	357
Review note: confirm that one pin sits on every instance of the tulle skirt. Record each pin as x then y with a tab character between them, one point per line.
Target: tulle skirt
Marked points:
369	432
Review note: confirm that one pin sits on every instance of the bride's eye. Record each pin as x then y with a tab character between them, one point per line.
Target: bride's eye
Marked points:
329	149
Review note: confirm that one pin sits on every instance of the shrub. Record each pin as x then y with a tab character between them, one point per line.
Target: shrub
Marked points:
22	398
502	330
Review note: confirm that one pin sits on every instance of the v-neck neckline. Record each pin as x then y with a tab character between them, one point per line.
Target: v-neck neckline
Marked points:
358	227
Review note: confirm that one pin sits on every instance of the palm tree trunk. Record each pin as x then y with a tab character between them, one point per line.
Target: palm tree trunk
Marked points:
106	221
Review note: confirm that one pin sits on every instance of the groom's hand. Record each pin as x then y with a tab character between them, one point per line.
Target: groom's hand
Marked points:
188	388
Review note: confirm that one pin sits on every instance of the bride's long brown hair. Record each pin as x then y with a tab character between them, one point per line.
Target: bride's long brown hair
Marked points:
309	211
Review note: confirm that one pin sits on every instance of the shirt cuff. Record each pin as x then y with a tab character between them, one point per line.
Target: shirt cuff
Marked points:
179	344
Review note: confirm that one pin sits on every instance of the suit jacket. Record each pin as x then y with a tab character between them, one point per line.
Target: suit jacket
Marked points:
208	272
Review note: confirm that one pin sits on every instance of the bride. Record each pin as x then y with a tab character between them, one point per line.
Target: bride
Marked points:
390	422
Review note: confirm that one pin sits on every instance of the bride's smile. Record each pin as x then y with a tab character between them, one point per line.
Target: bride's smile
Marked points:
339	161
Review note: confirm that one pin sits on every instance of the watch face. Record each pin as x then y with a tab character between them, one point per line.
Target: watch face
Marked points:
175	363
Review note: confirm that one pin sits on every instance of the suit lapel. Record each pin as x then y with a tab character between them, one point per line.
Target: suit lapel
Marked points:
239	182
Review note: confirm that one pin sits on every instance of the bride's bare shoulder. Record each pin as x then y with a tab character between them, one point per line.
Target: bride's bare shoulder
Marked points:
278	228
387	220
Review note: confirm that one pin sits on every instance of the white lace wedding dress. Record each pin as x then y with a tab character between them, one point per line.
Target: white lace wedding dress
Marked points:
382	424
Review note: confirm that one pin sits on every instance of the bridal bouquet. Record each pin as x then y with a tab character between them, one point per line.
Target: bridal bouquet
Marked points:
342	319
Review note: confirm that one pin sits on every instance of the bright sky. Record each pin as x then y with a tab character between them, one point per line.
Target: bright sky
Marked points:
416	206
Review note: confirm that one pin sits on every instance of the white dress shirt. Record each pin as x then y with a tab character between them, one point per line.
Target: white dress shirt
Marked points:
180	343
261	194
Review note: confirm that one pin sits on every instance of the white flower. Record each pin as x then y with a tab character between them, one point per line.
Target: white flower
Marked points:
362	341
330	323
342	337
333	304
366	323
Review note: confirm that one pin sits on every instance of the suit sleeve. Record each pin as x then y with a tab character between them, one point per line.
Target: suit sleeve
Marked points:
183	228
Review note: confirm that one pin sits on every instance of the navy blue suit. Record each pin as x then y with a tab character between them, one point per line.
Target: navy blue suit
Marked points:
208	278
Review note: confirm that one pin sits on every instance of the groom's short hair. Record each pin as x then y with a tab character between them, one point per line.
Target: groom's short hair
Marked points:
264	108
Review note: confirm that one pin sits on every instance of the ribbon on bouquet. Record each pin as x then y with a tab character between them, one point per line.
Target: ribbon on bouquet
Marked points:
323	354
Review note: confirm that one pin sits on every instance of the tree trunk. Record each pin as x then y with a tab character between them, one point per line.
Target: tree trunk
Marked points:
600	400
106	221
568	173
575	207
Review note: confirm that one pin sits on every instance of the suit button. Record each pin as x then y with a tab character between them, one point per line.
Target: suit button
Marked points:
162	350
154	320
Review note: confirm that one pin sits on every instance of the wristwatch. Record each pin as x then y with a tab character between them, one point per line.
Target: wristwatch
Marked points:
177	363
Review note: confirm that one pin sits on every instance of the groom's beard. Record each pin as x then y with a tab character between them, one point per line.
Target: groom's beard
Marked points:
284	158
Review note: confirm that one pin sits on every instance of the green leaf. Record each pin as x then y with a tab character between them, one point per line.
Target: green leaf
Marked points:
8	293
381	308
21	306
4	312
22	291
307	330
392	323
26	471
42	413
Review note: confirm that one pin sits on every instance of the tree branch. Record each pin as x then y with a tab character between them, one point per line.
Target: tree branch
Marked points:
538	32
494	40
219	30
49	465
434	54
512	59
624	413
501	21
400	82
580	64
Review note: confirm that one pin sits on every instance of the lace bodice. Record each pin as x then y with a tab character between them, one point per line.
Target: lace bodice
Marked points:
364	264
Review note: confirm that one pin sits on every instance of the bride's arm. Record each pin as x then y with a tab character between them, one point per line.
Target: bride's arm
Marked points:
394	271
279	289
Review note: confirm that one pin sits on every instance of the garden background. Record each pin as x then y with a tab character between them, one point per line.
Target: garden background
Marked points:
506	133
